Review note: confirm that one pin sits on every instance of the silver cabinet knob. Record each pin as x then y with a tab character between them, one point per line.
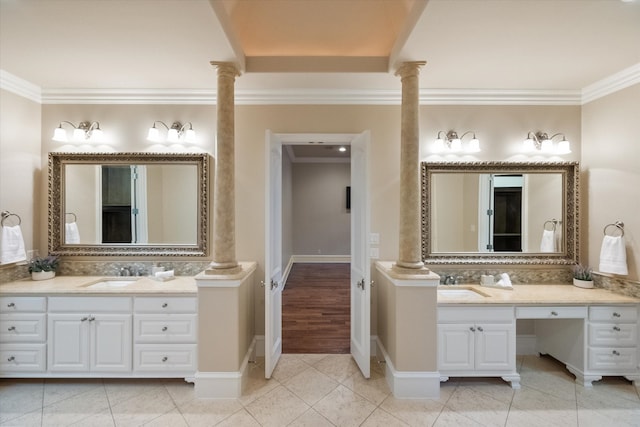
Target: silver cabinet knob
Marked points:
12	328
554	313
615	353
165	305
472	329
84	319
616	328
11	359
11	304
480	328
616	314
164	359
164	329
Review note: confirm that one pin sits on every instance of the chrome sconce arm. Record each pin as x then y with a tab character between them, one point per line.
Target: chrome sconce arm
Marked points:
453	143
174	133
83	132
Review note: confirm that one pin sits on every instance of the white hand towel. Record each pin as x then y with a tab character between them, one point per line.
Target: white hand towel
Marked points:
548	241
11	245
613	256
71	233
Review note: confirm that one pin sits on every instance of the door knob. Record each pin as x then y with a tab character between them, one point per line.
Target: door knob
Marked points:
360	284
274	284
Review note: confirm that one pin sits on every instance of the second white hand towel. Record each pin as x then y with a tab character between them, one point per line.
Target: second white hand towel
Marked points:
548	241
613	255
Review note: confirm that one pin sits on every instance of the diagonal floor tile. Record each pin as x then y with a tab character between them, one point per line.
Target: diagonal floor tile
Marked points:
207	412
18	399
337	366
277	408
414	412
143	408
380	417
310	385
311	418
56	389
343	407
77	408
242	418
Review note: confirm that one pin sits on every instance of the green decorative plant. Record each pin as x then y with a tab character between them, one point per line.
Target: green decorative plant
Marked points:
48	263
582	272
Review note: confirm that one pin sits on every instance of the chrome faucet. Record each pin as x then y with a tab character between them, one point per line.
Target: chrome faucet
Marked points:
125	271
452	280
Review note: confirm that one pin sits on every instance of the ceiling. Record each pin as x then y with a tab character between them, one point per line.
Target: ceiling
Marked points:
317	46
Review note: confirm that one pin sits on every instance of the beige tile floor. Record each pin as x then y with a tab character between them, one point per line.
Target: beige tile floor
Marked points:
324	390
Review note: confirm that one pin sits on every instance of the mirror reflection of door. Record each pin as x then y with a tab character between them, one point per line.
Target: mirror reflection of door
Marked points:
124	201
501	213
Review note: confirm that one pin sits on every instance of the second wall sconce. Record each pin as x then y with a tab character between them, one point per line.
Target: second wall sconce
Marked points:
85	131
454	144
174	133
540	141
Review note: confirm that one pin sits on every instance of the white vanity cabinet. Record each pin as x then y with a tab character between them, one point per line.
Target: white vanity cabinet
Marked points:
165	336
23	334
477	341
89	334
613	340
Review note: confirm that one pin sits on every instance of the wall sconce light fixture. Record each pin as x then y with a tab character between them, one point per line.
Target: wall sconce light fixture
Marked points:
85	131
174	133
540	141
453	144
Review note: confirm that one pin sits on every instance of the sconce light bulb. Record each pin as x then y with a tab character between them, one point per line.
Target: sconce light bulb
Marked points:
97	135
60	135
456	144
153	135
529	144
172	135
564	147
438	145
474	146
190	136
546	146
79	134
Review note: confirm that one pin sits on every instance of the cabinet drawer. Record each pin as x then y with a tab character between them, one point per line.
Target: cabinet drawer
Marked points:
613	314
611	334
22	327
613	359
475	314
89	304
22	357
163	358
167	328
551	312
165	305
20	304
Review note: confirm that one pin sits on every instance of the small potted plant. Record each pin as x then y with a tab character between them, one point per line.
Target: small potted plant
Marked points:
42	268
582	276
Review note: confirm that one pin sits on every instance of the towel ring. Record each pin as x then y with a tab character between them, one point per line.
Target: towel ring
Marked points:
7	214
552	222
618	224
75	218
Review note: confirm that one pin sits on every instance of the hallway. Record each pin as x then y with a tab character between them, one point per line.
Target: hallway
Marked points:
315	309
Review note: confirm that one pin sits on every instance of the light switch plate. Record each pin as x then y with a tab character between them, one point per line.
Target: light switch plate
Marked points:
374	253
374	238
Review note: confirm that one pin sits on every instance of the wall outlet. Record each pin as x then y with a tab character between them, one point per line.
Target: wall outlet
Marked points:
374	253
374	238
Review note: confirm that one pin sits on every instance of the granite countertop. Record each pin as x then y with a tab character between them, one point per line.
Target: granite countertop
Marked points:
79	285
560	294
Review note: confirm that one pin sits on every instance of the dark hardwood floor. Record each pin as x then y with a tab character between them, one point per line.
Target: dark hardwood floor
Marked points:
315	309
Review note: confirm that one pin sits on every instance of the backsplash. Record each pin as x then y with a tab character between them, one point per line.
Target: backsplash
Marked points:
143	268
521	276
618	285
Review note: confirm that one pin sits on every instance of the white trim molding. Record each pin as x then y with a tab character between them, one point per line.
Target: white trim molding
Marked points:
20	87
409	384
320	258
615	82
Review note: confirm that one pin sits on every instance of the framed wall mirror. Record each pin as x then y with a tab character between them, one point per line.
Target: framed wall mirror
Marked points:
500	213
135	204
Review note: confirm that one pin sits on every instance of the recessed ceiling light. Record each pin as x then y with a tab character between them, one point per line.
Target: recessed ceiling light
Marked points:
342	149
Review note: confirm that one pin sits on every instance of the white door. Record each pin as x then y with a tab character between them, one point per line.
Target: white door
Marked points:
273	255
360	261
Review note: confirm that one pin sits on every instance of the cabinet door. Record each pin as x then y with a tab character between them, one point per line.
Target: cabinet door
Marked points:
111	346
456	347
495	347
68	342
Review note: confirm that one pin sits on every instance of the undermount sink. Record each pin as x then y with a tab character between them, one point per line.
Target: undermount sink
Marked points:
111	283
462	293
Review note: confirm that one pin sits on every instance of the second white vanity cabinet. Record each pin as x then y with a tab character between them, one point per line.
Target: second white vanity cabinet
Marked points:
89	334
477	341
165	335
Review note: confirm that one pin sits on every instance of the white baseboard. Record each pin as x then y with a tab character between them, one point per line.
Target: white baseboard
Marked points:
259	340
409	384
320	258
225	385
526	345
285	273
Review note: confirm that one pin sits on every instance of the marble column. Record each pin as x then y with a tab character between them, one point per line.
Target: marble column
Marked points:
224	243
410	254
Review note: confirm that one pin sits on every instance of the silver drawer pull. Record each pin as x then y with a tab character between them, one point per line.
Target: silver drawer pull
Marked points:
472	329
616	328
91	319
615	353
164	329
164	359
554	313
84	319
165	305
11	359
480	328
11	304
615	314
12	328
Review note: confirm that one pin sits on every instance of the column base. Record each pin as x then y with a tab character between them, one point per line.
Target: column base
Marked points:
409	268
222	269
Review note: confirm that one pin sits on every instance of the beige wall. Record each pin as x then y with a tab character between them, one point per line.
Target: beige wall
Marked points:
287	210
611	177
321	221
21	165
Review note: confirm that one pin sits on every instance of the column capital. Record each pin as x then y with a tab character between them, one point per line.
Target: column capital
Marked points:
226	68
410	68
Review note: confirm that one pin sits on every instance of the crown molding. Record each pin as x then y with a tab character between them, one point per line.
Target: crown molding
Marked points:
20	87
311	97
618	81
